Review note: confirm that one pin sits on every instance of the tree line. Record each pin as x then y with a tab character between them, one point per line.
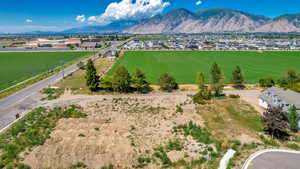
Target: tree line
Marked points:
122	81
290	80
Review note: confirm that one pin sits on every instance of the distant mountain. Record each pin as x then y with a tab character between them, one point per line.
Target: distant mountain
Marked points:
115	27
284	23
205	20
216	19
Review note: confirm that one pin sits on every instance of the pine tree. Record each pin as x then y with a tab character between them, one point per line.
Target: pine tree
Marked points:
139	81
293	118
121	80
200	79
216	79
92	78
238	77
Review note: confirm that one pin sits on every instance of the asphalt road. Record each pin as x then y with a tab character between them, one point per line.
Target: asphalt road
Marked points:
30	97
276	160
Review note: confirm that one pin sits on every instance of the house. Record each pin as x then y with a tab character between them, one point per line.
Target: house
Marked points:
275	96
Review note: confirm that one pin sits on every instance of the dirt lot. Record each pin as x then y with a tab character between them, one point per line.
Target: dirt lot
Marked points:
117	131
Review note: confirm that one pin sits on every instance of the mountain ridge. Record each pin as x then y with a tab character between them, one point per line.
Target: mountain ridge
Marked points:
217	19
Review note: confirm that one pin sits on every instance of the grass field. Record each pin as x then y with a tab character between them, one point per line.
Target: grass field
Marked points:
184	65
19	66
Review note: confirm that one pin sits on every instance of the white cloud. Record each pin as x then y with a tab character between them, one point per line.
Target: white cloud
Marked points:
28	20
198	2
80	18
129	9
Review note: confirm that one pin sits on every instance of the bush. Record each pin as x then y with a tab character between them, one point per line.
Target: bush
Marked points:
167	83
52	93
266	82
179	109
202	96
234	96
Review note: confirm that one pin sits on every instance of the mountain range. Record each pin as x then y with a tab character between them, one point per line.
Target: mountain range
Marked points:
215	19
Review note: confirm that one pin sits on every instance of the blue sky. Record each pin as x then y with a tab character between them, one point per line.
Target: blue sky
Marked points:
28	15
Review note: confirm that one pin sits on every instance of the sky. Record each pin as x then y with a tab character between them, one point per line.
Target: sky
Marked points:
57	15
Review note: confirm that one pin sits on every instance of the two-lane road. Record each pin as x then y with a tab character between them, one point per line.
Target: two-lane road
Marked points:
29	97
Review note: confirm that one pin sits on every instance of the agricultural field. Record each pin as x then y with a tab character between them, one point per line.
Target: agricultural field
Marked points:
183	65
19	66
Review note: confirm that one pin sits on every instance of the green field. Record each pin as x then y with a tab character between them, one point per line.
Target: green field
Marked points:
19	66
184	65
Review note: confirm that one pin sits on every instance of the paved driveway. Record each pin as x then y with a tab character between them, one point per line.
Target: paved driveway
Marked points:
276	160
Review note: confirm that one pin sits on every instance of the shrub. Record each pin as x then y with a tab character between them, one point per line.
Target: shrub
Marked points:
234	96
179	109
202	96
266	82
167	83
52	93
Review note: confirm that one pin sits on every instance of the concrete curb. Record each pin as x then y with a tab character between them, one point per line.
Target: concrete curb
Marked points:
226	158
256	154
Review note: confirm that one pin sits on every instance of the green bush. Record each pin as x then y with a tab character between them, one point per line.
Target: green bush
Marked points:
233	96
202	96
52	93
179	109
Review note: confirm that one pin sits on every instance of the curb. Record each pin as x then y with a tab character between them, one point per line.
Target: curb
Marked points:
258	153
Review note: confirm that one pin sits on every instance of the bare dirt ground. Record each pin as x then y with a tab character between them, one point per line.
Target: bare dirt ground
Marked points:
117	131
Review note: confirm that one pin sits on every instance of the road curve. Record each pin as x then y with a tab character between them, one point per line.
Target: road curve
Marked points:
273	159
29	97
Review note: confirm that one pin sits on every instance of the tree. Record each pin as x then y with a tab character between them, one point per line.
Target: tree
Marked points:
238	77
291	76
293	118
167	83
266	82
92	78
139	81
276	122
216	79
121	80
200	79
106	83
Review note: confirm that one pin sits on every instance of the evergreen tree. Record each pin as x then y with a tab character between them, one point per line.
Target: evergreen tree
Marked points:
92	78
167	83
121	80
139	81
238	77
216	79
293	118
200	79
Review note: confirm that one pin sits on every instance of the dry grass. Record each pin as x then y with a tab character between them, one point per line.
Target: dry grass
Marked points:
76	82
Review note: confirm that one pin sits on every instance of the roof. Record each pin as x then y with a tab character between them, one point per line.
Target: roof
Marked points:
288	96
